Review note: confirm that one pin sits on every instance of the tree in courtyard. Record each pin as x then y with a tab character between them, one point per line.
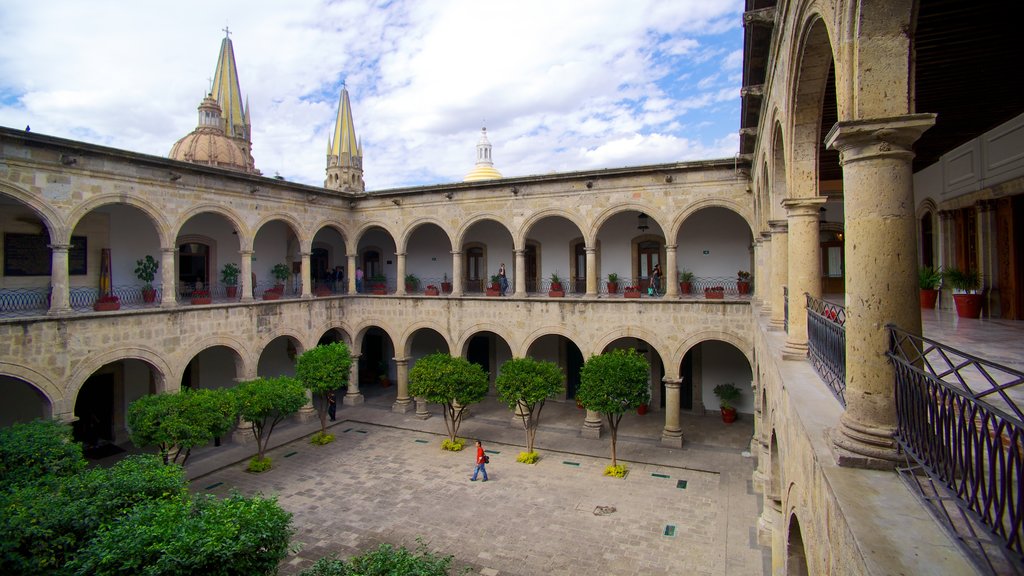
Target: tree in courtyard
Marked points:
322	370
31	450
176	423
264	403
524	384
612	383
455	383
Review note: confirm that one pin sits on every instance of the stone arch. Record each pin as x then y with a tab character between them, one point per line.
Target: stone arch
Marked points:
467	334
411	227
296	227
519	239
54	224
243	355
773	491
318	330
244	234
653	339
590	236
333	224
460	234
742	343
404	343
814	55
524	345
796	555
779	188
46	386
261	344
367	226
928	233
163	372
692	208
154	212
359	331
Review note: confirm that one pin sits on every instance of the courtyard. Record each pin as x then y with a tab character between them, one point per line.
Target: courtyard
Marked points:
386	480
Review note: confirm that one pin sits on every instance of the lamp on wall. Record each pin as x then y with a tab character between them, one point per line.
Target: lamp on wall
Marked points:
642	222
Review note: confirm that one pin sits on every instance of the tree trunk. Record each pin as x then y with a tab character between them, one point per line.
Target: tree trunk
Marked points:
613	426
322	412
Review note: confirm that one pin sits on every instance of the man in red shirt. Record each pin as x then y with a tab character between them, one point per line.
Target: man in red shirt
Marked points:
481	460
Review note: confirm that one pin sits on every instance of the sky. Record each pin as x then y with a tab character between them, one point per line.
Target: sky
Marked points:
561	85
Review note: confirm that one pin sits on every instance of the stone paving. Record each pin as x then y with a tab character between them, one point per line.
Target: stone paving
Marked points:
385	479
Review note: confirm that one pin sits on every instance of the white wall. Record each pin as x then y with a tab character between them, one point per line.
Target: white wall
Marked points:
721	362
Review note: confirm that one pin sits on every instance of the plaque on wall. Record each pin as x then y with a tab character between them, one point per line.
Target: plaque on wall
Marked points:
30	255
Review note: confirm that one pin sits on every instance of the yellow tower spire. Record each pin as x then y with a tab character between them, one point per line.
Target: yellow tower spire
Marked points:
226	90
344	151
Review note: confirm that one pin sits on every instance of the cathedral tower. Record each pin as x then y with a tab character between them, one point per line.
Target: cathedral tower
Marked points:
344	152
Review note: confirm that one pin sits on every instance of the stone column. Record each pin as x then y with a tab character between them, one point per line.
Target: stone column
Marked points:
308	411
947	243
400	281
779	273
457	273
169	290
245	276
307	276
881	250
672	435
671	278
353	396
351	265
520	273
592	425
403	403
804	270
591	253
988	262
760	269
421	408
60	287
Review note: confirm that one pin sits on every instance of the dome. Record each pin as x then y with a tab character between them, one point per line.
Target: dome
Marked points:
482	173
208	145
484	169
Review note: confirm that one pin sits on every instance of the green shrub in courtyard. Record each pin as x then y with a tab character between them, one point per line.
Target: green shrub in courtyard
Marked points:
453	445
618	470
384	561
322	370
321	439
258	465
454	383
265	402
613	383
524	384
528	457
176	423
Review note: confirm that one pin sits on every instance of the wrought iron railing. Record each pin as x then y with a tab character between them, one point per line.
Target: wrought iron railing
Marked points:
959	422
785	308
826	342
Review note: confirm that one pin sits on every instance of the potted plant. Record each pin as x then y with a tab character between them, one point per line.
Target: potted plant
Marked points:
613	283
556	286
685	281
631	291
966	286
412	283
107	303
446	286
494	287
727	394
145	270
714	293
201	296
743	282
928	280
431	290
379	284
280	272
229	276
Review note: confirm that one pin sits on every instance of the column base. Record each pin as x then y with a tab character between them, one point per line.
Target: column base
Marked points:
402	406
758	480
857	446
794	351
307	414
242	436
591	429
766	524
421	410
353	399
777	326
672	438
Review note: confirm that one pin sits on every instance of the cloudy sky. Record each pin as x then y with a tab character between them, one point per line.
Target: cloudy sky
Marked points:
562	85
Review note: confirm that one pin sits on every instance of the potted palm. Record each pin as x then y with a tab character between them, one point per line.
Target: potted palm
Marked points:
556	286
966	286
685	281
743	282
280	272
145	270
613	283
928	280
727	394
412	283
229	277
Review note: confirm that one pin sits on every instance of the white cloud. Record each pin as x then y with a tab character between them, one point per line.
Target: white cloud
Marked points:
562	85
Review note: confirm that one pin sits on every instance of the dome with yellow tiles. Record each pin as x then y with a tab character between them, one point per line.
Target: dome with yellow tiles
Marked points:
484	169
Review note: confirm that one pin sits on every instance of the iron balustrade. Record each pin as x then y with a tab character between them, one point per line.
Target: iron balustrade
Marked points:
24	301
826	342
785	309
958	421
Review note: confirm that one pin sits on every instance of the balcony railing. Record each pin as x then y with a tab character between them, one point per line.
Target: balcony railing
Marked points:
826	342
959	422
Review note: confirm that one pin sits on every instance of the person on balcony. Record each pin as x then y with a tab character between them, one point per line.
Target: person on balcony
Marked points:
502	279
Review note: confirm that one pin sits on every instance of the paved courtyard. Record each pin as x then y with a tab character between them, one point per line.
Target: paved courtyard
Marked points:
385	479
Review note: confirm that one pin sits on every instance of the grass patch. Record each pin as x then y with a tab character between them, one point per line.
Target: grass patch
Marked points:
455	446
321	439
528	457
256	465
619	471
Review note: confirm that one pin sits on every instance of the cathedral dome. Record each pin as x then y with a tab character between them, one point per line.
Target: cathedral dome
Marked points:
208	144
484	169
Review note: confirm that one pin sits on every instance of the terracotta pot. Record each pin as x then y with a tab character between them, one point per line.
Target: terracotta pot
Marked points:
743	287
446	287
714	294
613	287
271	295
232	291
928	298
556	293
379	290
106	306
968	305
728	415
641	409
685	287
148	296
431	291
631	294
410	287
199	300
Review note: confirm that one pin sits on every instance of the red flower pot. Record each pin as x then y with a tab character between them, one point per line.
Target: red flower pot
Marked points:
743	287
232	291
968	305
929	298
728	415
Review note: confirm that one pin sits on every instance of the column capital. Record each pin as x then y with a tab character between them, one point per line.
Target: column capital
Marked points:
590	249
804	206
519	251
305	254
246	252
670	247
766	236
59	247
877	137
171	250
778	226
672	382
401	361
402	254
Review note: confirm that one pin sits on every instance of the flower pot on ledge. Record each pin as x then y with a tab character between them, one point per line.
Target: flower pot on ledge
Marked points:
743	287
431	291
148	295
613	287
556	290
107	304
929	298
716	293
232	291
631	292
968	305
494	289
271	295
446	287
685	287
322	292
199	298
728	415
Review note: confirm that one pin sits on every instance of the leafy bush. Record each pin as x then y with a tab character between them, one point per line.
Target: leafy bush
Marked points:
32	450
524	384
612	383
176	423
453	445
618	471
321	439
384	561
322	370
454	383
528	457
258	465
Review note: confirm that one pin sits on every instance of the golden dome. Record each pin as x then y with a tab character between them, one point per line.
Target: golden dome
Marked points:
484	169
482	173
208	145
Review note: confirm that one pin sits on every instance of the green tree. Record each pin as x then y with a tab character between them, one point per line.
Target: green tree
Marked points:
185	536
324	369
612	383
265	402
176	423
525	384
455	383
32	450
384	561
